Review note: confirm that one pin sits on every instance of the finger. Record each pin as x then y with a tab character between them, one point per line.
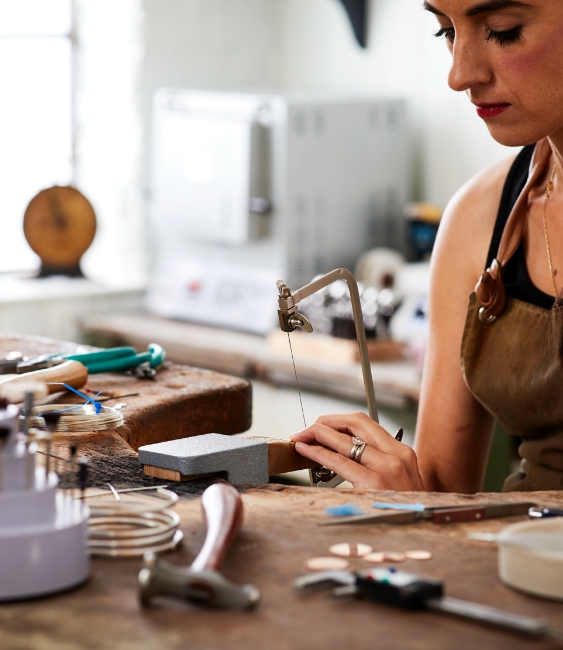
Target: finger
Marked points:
319	434
379	470
347	469
395	472
362	426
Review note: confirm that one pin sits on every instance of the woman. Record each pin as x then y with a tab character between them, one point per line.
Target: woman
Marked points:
501	357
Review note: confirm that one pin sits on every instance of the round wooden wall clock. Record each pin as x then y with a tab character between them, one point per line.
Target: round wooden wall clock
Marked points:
59	224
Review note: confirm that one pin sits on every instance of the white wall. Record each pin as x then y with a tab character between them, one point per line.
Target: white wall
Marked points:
131	47
213	43
402	58
309	43
109	135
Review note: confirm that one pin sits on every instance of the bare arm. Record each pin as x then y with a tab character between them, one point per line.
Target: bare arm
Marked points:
453	431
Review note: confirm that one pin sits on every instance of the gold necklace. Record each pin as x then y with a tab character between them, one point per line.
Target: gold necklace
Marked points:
548	190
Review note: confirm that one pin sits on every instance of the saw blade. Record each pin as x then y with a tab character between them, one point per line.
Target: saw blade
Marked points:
297	381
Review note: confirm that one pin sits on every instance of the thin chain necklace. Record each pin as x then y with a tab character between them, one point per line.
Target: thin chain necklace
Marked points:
548	191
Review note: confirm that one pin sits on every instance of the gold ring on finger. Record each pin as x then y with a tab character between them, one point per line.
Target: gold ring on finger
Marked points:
358	447
359	452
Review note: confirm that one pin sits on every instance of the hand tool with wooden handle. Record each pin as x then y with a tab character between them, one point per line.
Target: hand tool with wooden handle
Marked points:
439	515
72	373
202	581
244	461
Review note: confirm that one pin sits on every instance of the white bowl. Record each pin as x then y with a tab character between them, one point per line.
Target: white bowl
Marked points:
537	567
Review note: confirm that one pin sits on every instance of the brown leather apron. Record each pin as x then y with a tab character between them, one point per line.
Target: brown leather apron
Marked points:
510	362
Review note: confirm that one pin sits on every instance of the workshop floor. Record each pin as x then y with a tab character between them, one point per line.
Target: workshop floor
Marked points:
277	414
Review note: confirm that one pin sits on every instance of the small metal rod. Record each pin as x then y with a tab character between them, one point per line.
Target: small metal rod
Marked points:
27	407
29	465
138	489
4	434
65	460
48	459
109	399
114	492
348	277
82	476
73	469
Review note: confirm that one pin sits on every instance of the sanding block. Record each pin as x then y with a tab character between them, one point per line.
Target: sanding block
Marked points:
243	461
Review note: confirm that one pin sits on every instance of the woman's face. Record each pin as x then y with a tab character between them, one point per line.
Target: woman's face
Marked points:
508	58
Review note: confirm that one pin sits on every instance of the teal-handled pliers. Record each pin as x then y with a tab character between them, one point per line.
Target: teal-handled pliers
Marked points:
118	359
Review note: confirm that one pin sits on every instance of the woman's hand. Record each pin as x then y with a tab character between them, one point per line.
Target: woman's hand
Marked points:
385	464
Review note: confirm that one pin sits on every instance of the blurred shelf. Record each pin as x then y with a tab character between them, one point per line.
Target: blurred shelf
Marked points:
397	383
51	307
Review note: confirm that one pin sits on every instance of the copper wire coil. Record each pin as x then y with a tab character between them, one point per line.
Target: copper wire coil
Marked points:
79	419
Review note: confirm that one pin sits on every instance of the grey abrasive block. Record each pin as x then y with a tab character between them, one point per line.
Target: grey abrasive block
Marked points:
245	461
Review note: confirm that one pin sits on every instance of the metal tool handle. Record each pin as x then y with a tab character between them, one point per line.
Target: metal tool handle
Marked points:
222	507
490	616
202	582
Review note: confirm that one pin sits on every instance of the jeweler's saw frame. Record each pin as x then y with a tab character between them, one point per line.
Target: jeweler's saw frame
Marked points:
291	319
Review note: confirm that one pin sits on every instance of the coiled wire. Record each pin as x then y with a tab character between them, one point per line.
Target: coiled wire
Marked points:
134	525
76	418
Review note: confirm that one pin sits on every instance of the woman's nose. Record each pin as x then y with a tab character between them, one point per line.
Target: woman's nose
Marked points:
470	66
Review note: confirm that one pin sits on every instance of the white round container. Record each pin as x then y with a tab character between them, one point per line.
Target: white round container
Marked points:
526	564
43	559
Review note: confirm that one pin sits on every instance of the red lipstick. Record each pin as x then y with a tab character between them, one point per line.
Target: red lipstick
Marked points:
491	110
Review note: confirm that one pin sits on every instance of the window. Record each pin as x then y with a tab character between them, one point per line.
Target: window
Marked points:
36	113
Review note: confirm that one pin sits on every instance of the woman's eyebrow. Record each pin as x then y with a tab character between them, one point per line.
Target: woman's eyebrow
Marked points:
481	7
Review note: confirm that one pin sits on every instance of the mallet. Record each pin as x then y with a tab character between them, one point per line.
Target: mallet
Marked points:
244	461
202	581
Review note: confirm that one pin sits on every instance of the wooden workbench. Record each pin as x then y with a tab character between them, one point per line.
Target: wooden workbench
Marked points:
181	401
279	533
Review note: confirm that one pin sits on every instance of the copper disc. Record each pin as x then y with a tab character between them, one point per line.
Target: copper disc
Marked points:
350	550
418	555
59	224
327	564
394	557
376	558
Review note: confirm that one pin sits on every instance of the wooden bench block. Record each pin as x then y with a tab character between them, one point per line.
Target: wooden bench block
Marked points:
282	458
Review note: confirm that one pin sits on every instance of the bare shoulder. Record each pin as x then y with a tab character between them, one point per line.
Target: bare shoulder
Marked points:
468	221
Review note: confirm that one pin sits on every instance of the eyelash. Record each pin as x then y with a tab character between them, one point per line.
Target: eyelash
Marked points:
506	37
447	32
503	38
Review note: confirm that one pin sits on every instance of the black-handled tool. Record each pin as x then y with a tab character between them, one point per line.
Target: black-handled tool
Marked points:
409	591
543	513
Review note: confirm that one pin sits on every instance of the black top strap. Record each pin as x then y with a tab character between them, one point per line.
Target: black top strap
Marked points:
517	282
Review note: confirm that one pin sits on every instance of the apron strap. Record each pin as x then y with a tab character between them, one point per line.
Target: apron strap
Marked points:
490	288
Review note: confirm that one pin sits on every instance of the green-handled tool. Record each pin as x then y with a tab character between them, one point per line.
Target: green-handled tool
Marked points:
118	359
